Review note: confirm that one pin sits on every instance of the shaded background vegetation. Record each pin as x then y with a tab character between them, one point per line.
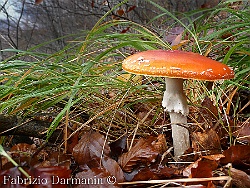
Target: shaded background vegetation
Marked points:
23	24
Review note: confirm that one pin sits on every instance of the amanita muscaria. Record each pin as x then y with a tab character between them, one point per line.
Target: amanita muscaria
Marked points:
176	66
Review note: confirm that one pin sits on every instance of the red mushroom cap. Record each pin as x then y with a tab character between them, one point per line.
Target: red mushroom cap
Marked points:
176	64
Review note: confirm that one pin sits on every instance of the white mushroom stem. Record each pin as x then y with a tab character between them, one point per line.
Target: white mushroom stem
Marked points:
175	102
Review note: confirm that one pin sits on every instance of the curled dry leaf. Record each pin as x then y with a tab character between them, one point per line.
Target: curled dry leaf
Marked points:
113	168
143	153
238	155
239	178
196	169
208	141
90	146
100	175
203	168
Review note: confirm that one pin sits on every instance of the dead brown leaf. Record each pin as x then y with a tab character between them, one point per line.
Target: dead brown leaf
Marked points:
23	150
196	169
203	168
160	144
208	141
243	134
71	142
107	174
154	172
24	153
55	158
239	178
208	112
143	153
118	147
53	177
238	155
90	146
215	157
113	168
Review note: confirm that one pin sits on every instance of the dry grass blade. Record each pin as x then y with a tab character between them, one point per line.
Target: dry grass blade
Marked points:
136	128
91	119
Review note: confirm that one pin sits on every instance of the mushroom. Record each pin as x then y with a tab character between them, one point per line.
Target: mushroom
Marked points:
176	66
